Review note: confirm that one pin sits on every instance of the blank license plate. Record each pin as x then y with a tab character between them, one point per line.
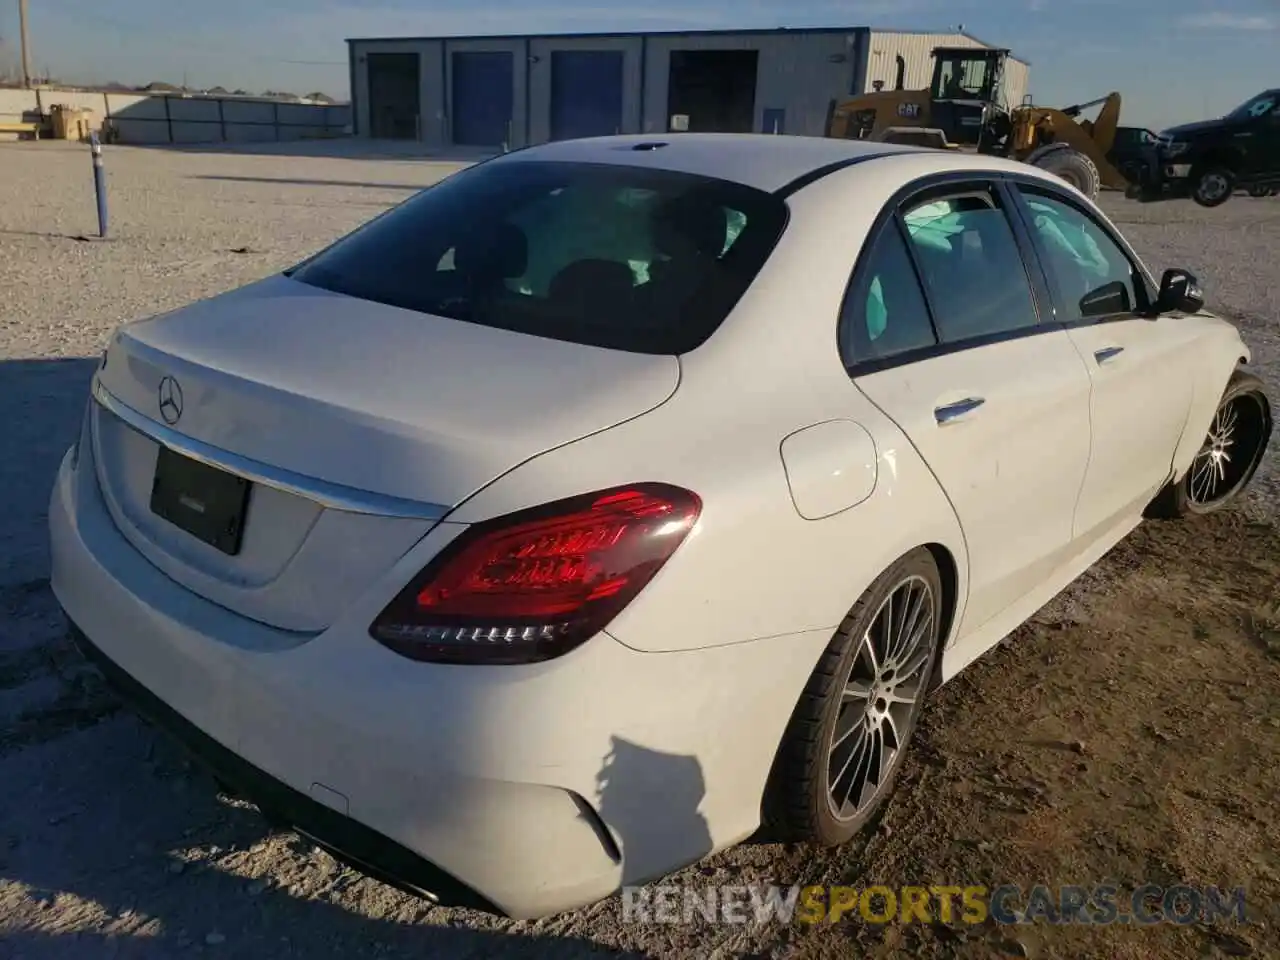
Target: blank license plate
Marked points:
202	500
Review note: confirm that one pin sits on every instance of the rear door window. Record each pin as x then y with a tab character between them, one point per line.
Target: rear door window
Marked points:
636	259
886	314
969	257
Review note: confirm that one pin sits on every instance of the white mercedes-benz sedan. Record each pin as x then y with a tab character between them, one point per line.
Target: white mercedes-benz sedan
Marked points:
615	500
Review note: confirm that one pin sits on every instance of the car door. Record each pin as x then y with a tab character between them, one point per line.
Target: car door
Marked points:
940	329
1141	368
1254	136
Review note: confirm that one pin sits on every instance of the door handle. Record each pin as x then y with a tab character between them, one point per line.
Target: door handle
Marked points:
1107	353
953	411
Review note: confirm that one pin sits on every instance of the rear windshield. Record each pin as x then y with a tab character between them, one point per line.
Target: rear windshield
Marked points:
634	259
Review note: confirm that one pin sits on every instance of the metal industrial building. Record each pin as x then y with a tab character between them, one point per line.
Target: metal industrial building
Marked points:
511	91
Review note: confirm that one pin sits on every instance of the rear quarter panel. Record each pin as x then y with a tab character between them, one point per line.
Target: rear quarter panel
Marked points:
754	567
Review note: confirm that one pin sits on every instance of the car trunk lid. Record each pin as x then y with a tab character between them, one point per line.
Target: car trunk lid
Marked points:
358	425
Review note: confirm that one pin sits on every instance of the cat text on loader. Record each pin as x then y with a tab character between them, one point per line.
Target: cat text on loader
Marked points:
964	109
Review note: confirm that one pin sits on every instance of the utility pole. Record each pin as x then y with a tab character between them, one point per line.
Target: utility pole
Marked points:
26	44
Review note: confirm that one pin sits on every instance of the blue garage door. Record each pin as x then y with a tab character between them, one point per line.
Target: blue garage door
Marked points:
482	98
586	93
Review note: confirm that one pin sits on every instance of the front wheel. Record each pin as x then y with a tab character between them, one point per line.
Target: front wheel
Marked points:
1228	457
1213	186
848	735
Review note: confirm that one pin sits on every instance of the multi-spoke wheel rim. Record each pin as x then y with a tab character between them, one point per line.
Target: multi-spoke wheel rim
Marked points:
1230	451
885	681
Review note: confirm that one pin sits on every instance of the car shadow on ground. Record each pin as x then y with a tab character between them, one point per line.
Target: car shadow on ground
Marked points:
112	843
109	846
42	403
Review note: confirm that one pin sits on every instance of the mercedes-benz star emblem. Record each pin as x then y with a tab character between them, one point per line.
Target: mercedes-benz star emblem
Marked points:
170	400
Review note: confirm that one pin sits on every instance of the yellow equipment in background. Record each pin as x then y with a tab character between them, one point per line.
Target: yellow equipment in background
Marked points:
70	123
963	109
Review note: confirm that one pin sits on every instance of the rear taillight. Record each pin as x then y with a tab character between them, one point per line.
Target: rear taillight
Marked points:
532	585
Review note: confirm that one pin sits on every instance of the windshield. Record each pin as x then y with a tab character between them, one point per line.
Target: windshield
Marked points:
963	78
636	259
1259	106
1133	136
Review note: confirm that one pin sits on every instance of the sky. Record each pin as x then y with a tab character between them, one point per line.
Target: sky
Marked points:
1173	61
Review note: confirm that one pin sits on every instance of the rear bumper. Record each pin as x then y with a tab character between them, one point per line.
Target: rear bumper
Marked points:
350	841
525	790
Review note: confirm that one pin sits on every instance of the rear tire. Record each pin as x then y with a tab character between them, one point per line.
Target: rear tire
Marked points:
1212	186
1228	457
1073	167
849	732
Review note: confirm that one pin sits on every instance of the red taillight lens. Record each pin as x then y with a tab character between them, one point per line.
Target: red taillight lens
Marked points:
532	585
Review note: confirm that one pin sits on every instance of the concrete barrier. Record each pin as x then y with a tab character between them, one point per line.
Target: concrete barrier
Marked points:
18	106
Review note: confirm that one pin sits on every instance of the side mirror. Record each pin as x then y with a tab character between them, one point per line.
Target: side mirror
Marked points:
1179	292
1107	300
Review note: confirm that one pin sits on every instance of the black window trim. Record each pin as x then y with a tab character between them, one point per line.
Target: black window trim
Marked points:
948	183
967	186
860	285
792	187
1036	272
1017	185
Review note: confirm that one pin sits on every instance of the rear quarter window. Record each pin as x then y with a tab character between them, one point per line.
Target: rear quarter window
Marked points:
623	257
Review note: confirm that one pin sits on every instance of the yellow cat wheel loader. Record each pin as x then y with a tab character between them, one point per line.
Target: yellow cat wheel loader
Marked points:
964	109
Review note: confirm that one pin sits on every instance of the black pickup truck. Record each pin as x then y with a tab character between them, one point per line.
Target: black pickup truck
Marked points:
1208	161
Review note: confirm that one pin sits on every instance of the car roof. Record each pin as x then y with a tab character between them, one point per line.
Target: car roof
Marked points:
764	161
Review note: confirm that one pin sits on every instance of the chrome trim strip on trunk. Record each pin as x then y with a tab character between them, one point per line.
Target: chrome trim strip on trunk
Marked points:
333	496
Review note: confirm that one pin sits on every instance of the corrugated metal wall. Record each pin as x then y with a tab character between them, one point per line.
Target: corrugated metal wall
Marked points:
799	73
1017	81
916	50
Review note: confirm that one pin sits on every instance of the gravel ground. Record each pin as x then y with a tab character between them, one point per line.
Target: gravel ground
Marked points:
111	845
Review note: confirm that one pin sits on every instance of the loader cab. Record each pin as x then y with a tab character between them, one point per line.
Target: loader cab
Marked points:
967	92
